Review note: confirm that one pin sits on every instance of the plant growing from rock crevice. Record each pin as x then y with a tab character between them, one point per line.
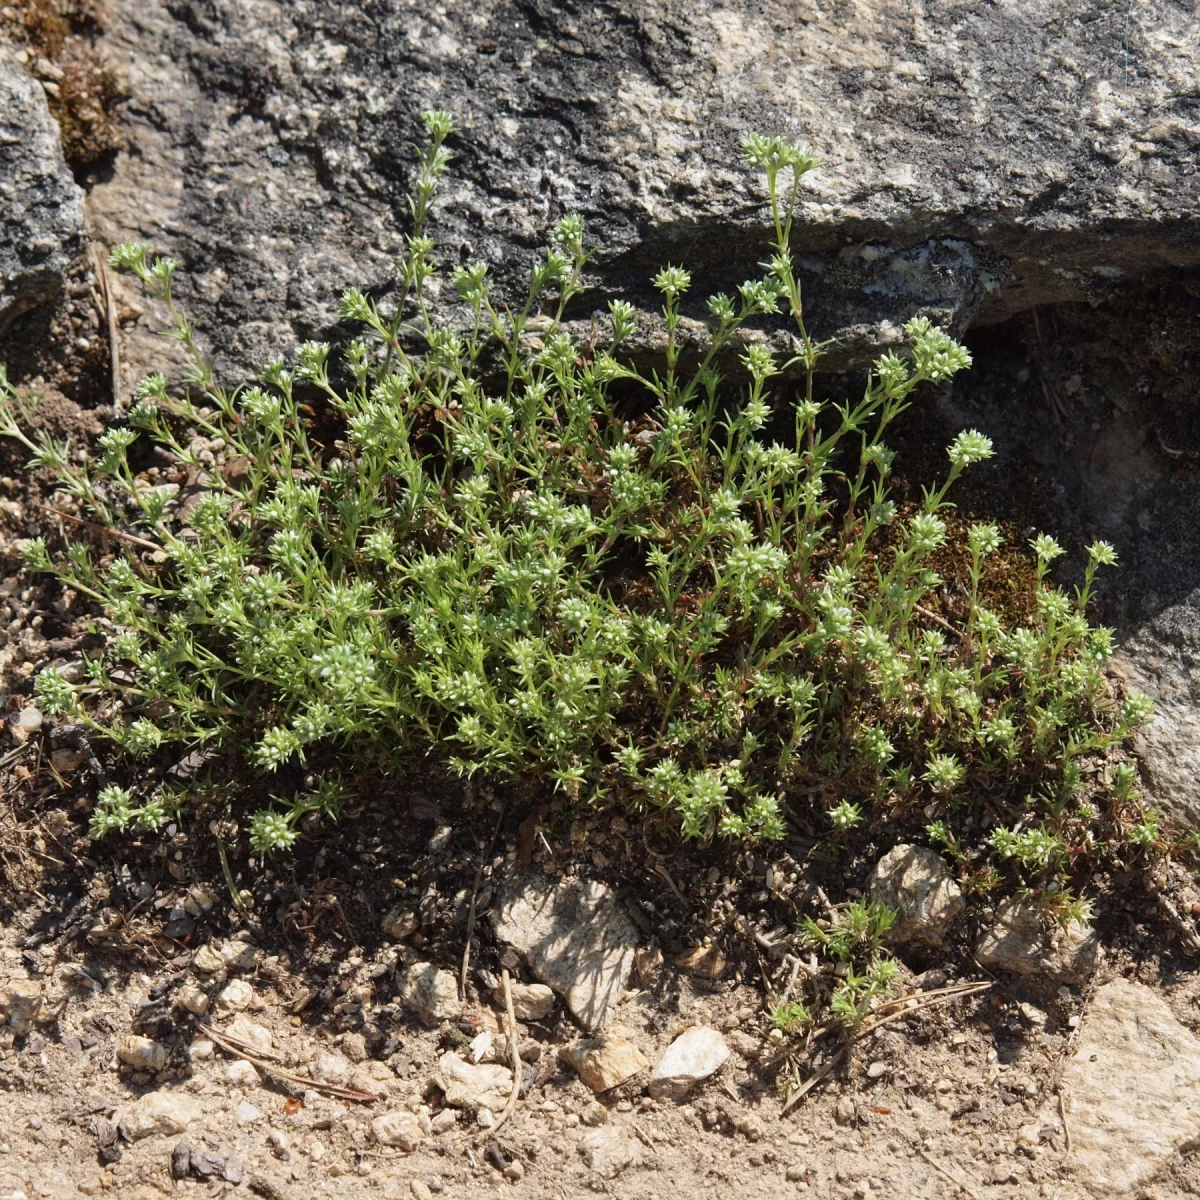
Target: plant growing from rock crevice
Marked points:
690	593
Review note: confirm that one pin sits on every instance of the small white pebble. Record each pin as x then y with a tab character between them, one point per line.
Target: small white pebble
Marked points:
242	1074
29	719
247	1114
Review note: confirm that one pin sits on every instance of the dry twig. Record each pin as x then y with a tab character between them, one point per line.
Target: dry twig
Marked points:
102	529
239	1049
1064	1107
513	1052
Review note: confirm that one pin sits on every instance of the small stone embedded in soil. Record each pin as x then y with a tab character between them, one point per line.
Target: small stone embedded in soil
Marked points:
240	956
531	1001
1024	941
1029	1135
200	1050
159	1113
329	1067
242	1074
697	1054
247	1113
235	996
142	1053
605	1063
67	761
576	938
444	1121
515	1171
609	1150
704	962
201	1163
594	1114
845	1112
398	1129
918	884
430	994
194	999
401	923
254	1035
28	720
207	960
420	1190
21	1004
471	1087
647	965
372	1077
354	1047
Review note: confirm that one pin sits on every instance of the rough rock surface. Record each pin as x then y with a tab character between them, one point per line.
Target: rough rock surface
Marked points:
400	1129
21	1004
1134	1083
917	883
576	938
694	1056
605	1063
159	1113
430	993
978	158
142	1053
1021	941
609	1149
41	206
466	1085
1163	660
531	1001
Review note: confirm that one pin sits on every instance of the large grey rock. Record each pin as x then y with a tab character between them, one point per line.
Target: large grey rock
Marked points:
978	160
1163	660
41	206
1134	1088
917	884
576	937
1022	940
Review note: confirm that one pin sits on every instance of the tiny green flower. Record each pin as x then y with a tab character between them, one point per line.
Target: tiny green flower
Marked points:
673	281
969	446
845	816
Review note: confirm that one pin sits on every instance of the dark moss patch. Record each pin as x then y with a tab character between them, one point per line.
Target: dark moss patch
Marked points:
83	89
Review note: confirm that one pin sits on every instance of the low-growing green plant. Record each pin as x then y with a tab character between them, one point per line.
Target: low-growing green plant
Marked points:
791	1017
688	588
864	974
